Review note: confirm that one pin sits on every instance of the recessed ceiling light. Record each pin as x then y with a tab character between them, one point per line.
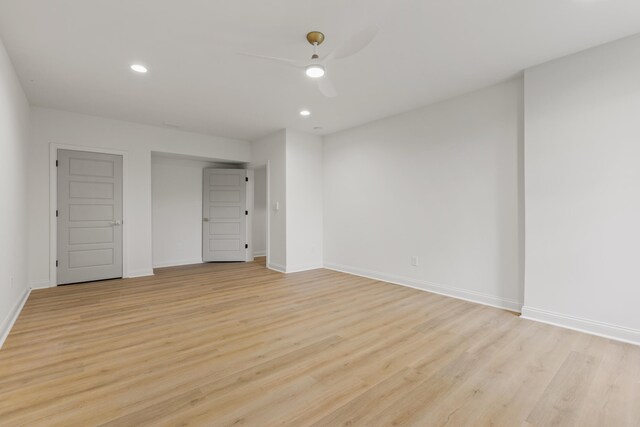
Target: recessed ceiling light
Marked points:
139	68
305	113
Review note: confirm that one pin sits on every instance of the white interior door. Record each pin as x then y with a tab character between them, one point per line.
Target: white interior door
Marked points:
89	216
224	215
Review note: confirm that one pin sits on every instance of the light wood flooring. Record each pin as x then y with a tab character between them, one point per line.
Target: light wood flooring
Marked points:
237	344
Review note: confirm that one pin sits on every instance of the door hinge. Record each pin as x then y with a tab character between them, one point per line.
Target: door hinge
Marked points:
246	179
246	246
56	163
56	263
56	212
246	212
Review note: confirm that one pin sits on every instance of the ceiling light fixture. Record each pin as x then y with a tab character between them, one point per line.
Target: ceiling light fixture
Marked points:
314	71
305	113
139	68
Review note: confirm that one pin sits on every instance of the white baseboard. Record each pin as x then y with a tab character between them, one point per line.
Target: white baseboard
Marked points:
139	273
449	291
40	285
592	327
277	267
304	268
7	323
177	263
260	253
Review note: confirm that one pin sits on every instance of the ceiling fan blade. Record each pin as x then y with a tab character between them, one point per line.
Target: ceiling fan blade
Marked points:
326	87
293	62
356	43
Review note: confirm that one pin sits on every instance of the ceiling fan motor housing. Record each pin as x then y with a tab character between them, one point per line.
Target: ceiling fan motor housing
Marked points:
315	37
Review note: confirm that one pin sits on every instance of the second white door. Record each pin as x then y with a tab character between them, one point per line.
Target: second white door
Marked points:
89	216
224	236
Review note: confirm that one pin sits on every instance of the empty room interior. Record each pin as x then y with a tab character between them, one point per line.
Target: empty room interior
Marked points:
303	213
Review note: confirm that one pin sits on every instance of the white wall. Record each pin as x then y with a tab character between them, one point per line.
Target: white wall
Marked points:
14	129
304	196
176	197
136	142
260	212
583	190
441	183
271	150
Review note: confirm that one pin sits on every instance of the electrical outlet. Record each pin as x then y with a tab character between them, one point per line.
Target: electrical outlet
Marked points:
414	261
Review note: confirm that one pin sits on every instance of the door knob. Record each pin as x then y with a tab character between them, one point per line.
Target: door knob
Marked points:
205	219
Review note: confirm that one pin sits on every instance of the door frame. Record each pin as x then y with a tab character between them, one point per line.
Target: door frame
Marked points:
53	202
250	197
253	167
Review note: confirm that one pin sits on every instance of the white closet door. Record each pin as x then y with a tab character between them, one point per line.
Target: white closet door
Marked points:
89	216
224	215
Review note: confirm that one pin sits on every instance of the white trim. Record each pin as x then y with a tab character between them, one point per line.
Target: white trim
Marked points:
304	268
277	267
463	294
177	263
593	327
140	273
260	254
53	201
7	323
40	285
268	250
267	253
248	219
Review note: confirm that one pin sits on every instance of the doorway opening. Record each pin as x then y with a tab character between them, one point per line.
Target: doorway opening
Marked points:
177	207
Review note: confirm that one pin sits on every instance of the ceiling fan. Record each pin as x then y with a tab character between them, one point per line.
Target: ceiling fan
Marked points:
316	67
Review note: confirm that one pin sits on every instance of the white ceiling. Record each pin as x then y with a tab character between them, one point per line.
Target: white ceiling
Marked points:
75	55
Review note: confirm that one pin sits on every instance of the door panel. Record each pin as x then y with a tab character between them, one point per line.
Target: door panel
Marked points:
224	219
87	235
89	216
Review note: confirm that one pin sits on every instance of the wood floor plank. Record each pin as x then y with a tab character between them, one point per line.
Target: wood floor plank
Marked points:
238	344
565	395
